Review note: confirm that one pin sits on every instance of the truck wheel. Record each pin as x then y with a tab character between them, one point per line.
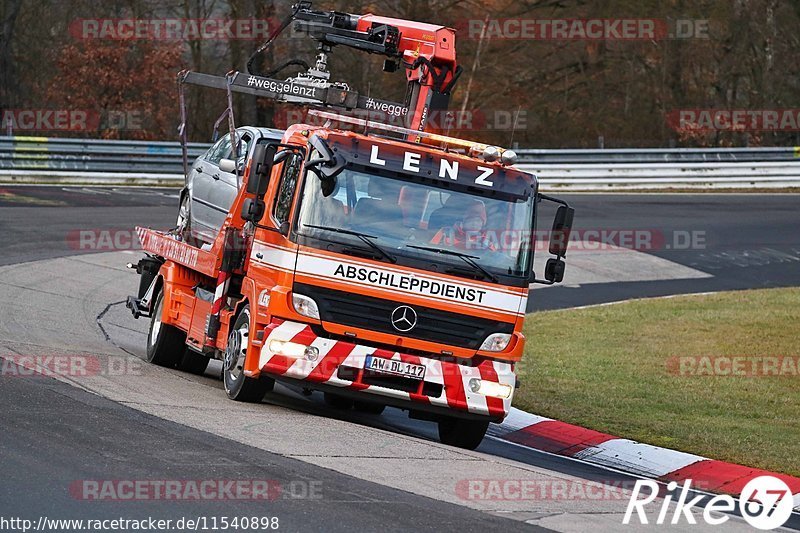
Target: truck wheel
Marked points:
370	408
238	386
462	433
165	343
193	362
337	402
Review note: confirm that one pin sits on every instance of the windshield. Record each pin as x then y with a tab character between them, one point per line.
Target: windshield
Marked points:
405	218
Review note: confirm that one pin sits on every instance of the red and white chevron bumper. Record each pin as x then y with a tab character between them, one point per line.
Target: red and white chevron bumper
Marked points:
446	385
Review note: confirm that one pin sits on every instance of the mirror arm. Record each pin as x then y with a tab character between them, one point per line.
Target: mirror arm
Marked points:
313	163
283	229
553	199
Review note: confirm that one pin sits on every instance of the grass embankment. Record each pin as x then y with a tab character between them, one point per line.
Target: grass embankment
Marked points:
617	369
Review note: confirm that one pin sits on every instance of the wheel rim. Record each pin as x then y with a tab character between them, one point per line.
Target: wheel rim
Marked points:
236	351
156	329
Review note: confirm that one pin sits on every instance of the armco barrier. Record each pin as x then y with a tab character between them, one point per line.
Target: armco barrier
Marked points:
53	160
99	162
660	155
616	176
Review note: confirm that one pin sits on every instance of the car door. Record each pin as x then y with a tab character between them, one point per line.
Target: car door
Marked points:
206	213
225	188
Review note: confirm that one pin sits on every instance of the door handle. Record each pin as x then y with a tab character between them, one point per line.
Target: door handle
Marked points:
259	255
215	176
199	170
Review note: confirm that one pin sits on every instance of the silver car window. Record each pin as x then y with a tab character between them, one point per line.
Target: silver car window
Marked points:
219	150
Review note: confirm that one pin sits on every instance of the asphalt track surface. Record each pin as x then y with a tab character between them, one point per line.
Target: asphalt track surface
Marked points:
743	241
389	474
740	241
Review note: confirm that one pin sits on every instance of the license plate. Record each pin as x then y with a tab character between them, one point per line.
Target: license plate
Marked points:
394	367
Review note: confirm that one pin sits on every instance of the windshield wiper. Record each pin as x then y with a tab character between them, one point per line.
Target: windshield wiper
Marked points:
468	259
366	239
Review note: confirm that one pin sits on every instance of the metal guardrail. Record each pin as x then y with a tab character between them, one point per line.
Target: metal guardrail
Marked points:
660	155
89	161
599	176
90	155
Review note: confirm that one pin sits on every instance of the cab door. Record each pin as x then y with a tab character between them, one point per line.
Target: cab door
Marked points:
273	256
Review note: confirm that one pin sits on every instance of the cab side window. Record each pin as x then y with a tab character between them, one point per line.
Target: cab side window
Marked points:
286	187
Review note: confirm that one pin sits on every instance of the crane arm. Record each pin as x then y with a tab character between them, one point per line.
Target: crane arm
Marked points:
427	52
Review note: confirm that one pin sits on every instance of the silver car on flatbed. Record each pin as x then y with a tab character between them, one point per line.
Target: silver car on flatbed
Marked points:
213	182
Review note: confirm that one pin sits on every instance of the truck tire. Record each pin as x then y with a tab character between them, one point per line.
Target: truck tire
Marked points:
462	433
337	402
370	408
238	386
193	362
165	343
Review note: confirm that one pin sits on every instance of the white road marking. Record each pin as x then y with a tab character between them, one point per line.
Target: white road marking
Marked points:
635	457
94	191
614	264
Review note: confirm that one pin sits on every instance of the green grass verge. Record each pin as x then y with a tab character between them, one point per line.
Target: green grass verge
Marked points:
608	368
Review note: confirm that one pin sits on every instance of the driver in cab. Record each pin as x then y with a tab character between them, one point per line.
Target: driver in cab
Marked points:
467	232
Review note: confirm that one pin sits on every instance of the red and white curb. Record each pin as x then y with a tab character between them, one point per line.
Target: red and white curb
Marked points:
645	460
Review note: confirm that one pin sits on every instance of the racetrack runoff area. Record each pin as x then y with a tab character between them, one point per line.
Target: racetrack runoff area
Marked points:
711	374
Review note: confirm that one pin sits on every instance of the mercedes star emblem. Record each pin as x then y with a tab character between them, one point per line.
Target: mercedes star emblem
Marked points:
404	318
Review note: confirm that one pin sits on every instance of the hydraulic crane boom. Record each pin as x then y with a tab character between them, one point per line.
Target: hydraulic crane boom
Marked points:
426	52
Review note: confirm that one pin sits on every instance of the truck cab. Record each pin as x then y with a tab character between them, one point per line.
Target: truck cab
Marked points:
400	280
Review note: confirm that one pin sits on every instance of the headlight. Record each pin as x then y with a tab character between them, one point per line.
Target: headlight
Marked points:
294	350
496	342
305	306
490	388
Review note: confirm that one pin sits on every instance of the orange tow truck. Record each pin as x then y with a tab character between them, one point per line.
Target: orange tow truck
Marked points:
381	265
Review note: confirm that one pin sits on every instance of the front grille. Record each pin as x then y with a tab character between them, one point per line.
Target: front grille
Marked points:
433	325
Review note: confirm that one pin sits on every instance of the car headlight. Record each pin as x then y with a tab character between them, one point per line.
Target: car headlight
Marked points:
305	305
496	342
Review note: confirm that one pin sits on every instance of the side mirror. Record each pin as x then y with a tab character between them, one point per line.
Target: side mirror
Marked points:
554	270
562	227
327	164
253	210
260	169
559	240
328	185
227	165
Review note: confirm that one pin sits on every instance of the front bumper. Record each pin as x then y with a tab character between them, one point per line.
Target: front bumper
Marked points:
340	364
